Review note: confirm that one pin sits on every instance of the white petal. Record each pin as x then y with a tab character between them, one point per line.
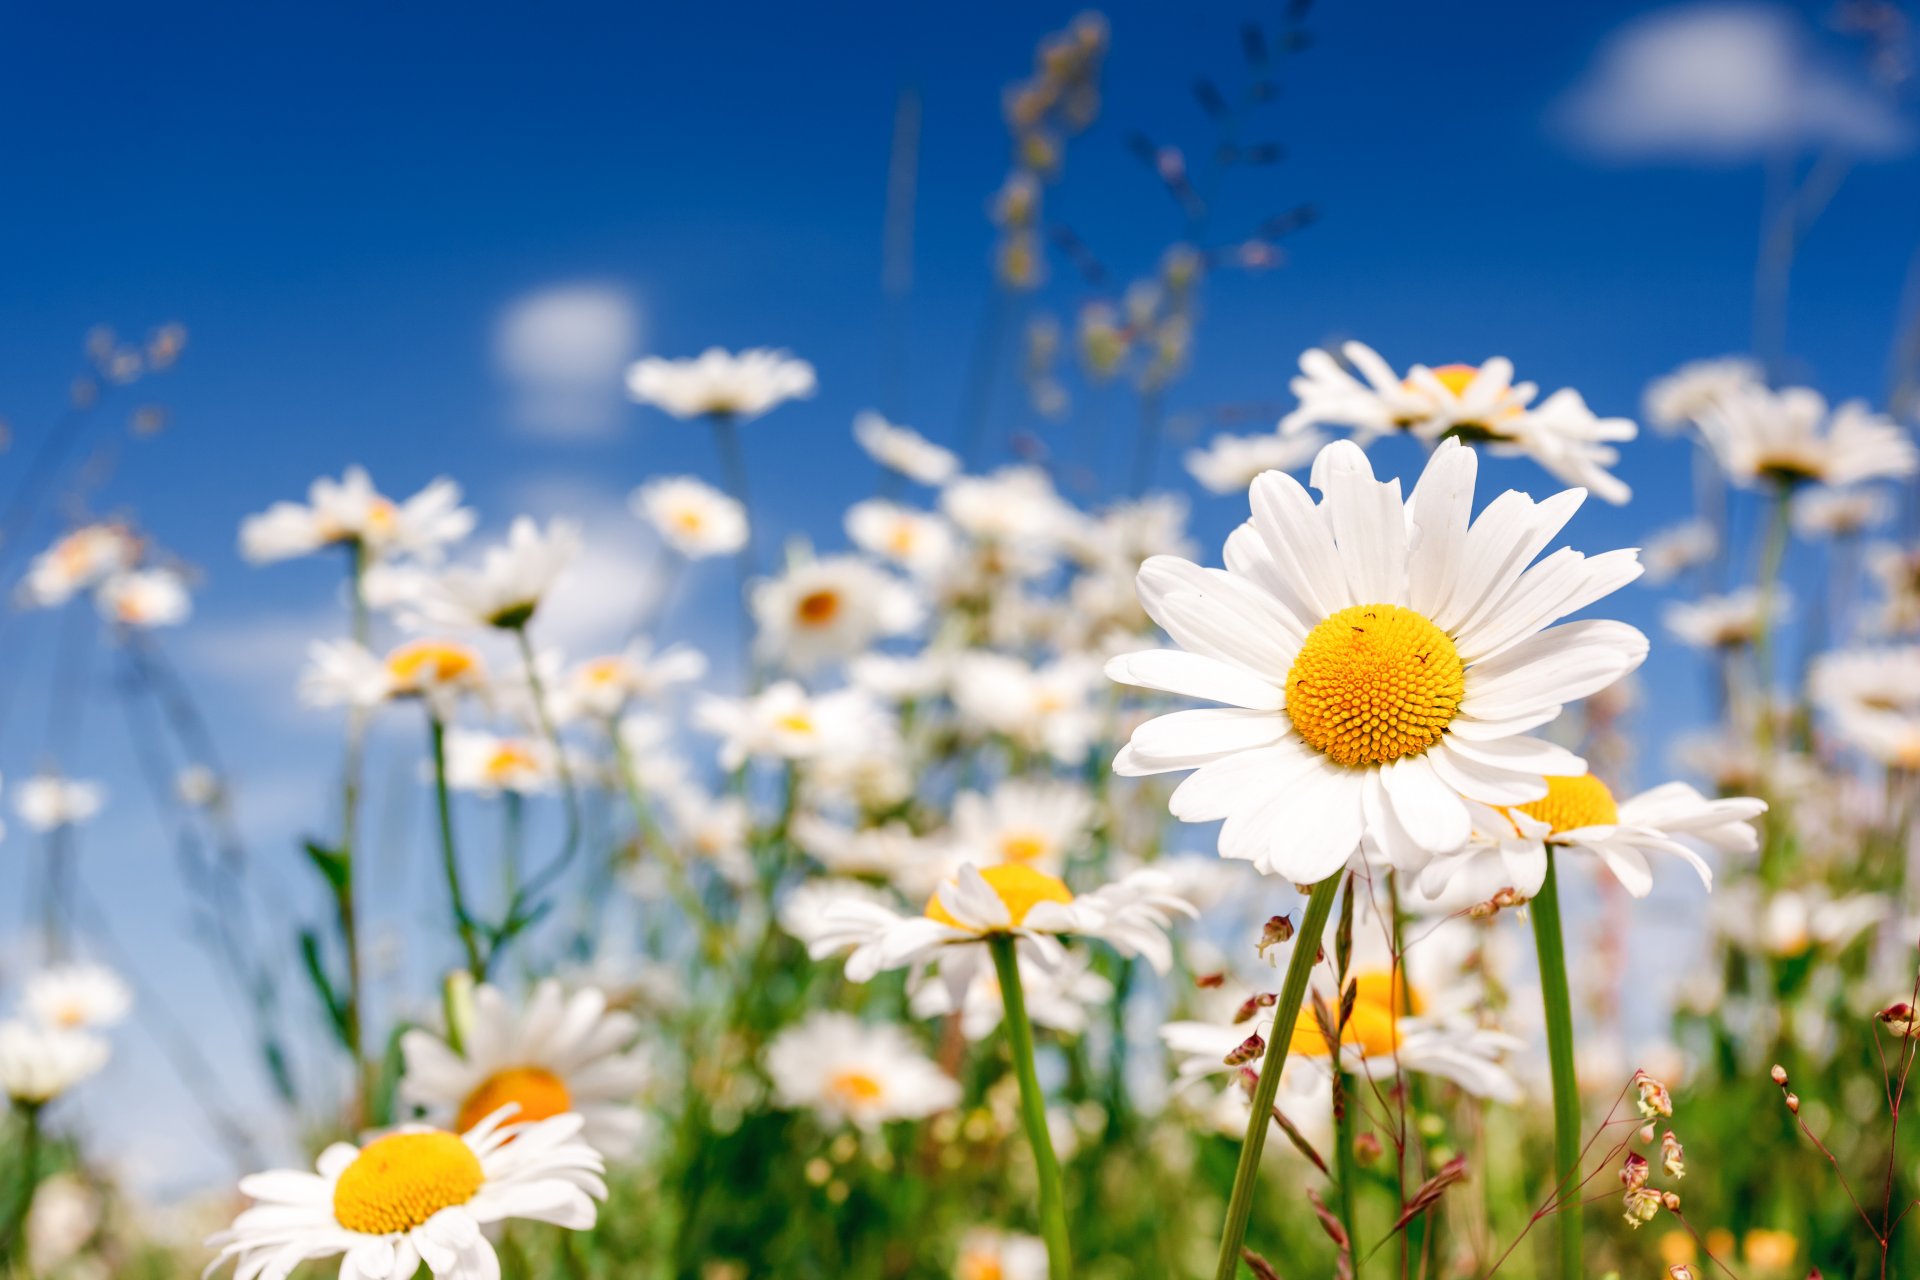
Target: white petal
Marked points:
1195	675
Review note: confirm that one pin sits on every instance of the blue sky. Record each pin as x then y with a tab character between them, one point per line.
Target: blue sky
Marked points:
342	203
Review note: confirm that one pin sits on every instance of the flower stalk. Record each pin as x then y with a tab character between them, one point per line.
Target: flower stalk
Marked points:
1550	946
1033	1110
449	853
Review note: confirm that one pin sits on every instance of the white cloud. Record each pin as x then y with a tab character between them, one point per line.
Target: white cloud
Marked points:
562	351
1722	82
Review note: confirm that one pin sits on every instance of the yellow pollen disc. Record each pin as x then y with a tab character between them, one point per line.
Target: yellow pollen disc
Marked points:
70	1015
399	1181
540	1093
689	520
510	757
1374	683
1016	884
1022	847
855	1087
1571	803
1374	1024
423	662
817	608
903	539
795	723
1456	377
381	516
980	1266
604	671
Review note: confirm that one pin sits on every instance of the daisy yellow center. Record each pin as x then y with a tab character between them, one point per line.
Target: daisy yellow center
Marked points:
1374	683
855	1087
397	1182
539	1093
71	1014
1572	803
817	608
1017	885
689	520
605	671
981	1266
1374	1024
796	722
382	515
423	662
1456	377
1022	846
510	758
903	539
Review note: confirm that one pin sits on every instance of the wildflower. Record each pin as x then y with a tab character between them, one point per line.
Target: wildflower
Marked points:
721	384
694	518
1370	677
1229	464
39	1063
144	598
1036	822
1872	699
1727	621
78	562
1694	390
1673	1157
987	1254
1058	997
1897	1018
1651	1096
1897	574
489	764
831	608
1041	708
920	543
904	450
77	997
511	580
417	1195
349	511
552	1055
601	688
1790	438
850	1072
1643	1206
1839	513
1634	1171
1672	551
786	722
48	802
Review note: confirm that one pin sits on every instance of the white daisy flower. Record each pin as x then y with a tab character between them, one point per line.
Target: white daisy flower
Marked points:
717	829
508	585
65	1218
413	1196
489	764
553	1055
1872	701
786	722
721	384
343	673
1792	922
1724	621
890	852
1228	463
830	608
899	678
77	996
904	450
1674	550
1045	708
350	510
1822	512
1058	998
80	560
601	688
920	543
1580	815
693	517
989	1254
850	1072
39	1063
1377	659
1570	442
144	598
1017	510
1789	437
49	801
1035	821
1689	393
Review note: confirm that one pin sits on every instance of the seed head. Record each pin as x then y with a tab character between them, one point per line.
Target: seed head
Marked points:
1643	1206
1249	1049
1634	1171
1779	1075
1793	1103
1654	1098
1673	1158
1278	932
1901	1020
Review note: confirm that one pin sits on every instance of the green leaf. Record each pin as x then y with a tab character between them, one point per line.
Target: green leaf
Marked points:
322	985
336	866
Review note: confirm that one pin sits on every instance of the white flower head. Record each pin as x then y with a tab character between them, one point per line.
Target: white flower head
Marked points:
489	764
417	1196
851	1072
785	722
1377	659
1035	821
1045	708
1059	997
830	608
721	384
691	516
77	997
351	510
39	1063
1789	437
1871	698
142	598
1824	512
917	541
80	560
603	687
1688	394
1724	621
904	450
49	801
1672	551
1229	463
506	588
989	1254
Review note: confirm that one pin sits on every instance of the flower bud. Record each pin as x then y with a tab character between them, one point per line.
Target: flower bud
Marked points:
1793	1103
1654	1099
1901	1020
1635	1171
1255	1003
1779	1075
1643	1205
1279	931
1673	1158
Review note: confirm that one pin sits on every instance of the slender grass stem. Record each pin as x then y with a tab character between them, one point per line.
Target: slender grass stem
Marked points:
1772	558
1550	945
450	854
1346	1168
1033	1110
543	879
1306	948
29	1173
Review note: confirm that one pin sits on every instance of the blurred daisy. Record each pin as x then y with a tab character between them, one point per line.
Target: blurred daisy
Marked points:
830	608
344	673
918	542
1689	393
785	722
1580	815
49	801
553	1055
718	830
850	1072
414	1196
1045	708
1792	922
80	560
77	996
601	688
1057	998
1377	659
1035	821
904	450
488	764
144	598
1871	698
721	384
1822	512
39	1063
350	511
1228	463
693	517
1726	621
989	1254
1789	437
890	852
1674	550
1017	510
507	586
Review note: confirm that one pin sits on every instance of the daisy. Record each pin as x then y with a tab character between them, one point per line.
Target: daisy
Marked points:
834	607
1821	512
49	801
1045	708
1872	699
720	384
718	830
693	517
1792	922
553	1055
904	450
1229	463
1037	822
1896	572
488	764
601	688
1377	659
511	580
1580	815
1674	550
920	543
343	673
1017	510
890	852
1789	437
786	722
144	598
350	511
989	1254
77	996
416	1195
77	562
850	1072
1725	621
39	1063
1692	391
1571	443
1058	998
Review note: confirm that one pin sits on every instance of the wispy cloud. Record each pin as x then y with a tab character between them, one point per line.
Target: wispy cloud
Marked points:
1723	83
561	352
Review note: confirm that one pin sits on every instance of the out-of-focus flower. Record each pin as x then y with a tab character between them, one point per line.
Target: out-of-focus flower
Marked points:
1791	922
1228	463
49	801
830	608
416	1194
1039	822
77	996
989	1254
1688	394
602	687
904	450
1872	700
344	673
849	1072
1016	509
350	510
1058	998
694	518
1672	551
919	542
144	598
1724	622
551	1055
1045	708
720	383
1370	680
1789	437
489	764
1822	512
785	722
66	1215
81	560
506	588
39	1063
1896	571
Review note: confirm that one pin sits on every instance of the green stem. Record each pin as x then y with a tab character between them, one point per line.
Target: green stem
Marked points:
542	880
345	900
1306	949
1550	946
1033	1109
16	1226
449	853
1772	557
1346	1168
712	941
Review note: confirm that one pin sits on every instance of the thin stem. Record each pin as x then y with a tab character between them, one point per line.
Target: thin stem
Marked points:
345	905
539	883
16	1232
449	852
1550	945
1033	1109
1306	949
1346	1169
1772	557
